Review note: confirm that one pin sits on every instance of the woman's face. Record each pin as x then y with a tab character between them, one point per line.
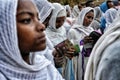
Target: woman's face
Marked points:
30	30
60	21
88	18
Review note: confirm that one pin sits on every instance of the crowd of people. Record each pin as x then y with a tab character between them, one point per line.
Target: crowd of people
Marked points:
40	40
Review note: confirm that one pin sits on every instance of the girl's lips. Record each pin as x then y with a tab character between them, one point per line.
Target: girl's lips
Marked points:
41	39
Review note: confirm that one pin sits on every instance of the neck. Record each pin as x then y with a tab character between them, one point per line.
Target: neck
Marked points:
25	56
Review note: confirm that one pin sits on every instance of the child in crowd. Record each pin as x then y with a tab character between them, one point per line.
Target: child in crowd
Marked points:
21	32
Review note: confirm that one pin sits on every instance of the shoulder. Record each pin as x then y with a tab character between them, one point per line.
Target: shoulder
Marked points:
110	62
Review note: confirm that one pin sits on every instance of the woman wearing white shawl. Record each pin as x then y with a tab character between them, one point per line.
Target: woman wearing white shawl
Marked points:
104	62
45	9
76	34
57	33
12	65
109	16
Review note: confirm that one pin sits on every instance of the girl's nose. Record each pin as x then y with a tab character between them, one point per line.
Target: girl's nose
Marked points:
40	26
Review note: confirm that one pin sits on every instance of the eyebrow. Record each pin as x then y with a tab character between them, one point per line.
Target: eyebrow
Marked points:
25	12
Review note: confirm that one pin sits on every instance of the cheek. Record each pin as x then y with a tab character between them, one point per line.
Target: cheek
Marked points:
25	39
86	22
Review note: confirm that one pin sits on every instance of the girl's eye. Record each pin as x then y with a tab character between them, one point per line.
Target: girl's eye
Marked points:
89	17
26	21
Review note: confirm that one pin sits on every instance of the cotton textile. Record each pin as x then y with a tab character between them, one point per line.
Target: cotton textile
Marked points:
76	34
104	61
12	66
44	8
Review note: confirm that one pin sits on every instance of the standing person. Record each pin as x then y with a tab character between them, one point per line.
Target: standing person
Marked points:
69	20
76	34
57	33
96	22
76	9
22	33
104	61
104	7
45	9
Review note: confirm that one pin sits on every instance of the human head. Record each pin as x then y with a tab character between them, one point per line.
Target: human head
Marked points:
30	30
45	10
89	3
86	16
58	16
110	3
68	10
106	5
18	22
80	6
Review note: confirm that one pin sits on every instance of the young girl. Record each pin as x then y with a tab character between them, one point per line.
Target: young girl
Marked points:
57	33
76	34
21	33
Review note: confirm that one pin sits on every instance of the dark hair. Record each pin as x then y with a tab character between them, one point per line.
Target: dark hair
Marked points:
109	1
88	3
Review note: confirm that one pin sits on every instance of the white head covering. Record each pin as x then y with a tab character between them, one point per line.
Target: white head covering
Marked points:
56	35
110	15
59	11
80	19
82	14
12	65
105	53
45	8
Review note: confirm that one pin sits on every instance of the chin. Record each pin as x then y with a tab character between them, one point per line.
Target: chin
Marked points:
42	47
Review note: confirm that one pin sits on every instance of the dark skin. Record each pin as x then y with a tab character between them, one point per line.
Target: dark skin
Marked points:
87	20
31	37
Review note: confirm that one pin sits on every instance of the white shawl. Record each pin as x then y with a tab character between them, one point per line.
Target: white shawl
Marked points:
12	66
44	8
56	35
78	31
105	54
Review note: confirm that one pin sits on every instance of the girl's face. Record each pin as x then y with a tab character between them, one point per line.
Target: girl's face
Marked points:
30	30
60	21
88	18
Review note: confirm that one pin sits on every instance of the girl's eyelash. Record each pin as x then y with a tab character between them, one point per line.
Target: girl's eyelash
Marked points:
26	21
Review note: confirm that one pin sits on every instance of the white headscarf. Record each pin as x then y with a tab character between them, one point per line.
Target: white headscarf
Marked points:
56	35
55	13
12	66
80	19
45	8
105	51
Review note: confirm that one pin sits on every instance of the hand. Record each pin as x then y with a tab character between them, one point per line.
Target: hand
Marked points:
69	52
57	52
87	39
59	61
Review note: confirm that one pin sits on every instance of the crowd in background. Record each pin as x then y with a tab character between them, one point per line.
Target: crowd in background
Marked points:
51	41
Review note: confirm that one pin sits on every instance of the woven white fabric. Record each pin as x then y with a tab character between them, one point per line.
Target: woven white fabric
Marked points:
44	8
12	66
105	55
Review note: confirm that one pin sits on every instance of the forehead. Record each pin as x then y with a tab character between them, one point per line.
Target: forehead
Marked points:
26	5
91	13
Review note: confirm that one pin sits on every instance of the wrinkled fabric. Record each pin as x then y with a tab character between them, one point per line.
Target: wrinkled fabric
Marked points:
76	34
12	65
104	61
75	11
44	8
110	15
56	35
